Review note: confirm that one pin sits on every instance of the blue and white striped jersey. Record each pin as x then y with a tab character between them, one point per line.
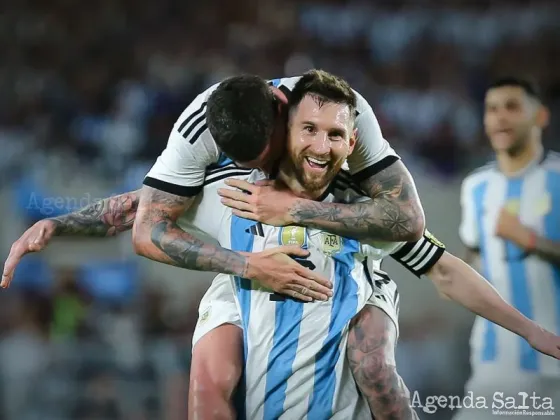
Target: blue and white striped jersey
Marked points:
529	283
295	352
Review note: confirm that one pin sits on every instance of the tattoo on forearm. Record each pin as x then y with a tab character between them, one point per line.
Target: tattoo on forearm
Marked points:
548	250
180	248
107	217
370	343
393	214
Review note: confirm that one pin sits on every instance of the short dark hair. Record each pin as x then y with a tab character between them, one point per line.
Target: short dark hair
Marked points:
529	86
241	115
325	86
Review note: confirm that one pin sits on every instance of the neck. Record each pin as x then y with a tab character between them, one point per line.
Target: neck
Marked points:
512	164
286	175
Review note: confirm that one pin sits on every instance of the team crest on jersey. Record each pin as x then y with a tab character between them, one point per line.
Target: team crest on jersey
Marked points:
332	243
513	206
428	235
293	235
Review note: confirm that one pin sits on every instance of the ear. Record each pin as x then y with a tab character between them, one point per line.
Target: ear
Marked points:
352	141
543	116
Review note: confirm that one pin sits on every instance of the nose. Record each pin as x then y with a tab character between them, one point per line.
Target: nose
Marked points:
321	144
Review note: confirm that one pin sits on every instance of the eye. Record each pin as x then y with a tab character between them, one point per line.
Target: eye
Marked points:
309	128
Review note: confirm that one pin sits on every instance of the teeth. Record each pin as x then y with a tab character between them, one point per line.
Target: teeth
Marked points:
317	161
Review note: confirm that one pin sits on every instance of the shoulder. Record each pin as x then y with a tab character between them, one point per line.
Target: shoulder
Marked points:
479	175
551	162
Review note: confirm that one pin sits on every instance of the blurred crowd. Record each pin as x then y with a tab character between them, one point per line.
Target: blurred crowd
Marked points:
88	94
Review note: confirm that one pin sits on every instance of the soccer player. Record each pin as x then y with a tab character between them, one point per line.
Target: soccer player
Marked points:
295	352
511	220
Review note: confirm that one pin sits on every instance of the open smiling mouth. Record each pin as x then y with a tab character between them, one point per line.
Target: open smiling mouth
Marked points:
316	163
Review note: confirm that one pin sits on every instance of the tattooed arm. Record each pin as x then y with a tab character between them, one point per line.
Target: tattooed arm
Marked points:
106	217
394	214
371	354
157	236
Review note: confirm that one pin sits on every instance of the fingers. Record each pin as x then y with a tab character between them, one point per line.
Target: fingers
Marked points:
242	185
236	204
308	293
319	282
265	183
296	295
12	261
234	195
245	214
293	250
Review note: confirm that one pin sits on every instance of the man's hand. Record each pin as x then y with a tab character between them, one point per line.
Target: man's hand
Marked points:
510	228
35	239
544	341
275	270
267	202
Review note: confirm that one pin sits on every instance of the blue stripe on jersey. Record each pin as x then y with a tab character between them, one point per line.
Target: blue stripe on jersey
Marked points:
344	306
552	232
243	242
282	355
479	193
520	291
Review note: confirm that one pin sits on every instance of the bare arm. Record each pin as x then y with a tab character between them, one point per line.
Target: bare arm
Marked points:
457	281
394	214
371	354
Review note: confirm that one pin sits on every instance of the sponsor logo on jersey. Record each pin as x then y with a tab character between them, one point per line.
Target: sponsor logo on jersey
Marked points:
332	243
428	235
293	235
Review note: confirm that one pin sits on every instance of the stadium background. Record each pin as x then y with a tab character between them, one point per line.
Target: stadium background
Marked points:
88	93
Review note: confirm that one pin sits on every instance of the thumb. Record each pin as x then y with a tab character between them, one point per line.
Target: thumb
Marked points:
293	250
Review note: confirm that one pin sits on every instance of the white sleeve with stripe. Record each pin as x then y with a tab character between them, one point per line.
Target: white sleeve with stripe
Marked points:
372	152
181	167
420	256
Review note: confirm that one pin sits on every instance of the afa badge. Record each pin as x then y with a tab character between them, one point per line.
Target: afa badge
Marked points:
428	235
293	235
332	243
513	206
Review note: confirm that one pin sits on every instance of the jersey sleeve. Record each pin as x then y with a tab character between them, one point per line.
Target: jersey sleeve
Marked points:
181	168
468	229
372	152
420	256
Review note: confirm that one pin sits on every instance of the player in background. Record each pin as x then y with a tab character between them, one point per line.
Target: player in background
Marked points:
371	348
511	220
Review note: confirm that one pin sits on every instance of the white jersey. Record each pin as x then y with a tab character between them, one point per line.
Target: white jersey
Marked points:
528	282
191	149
